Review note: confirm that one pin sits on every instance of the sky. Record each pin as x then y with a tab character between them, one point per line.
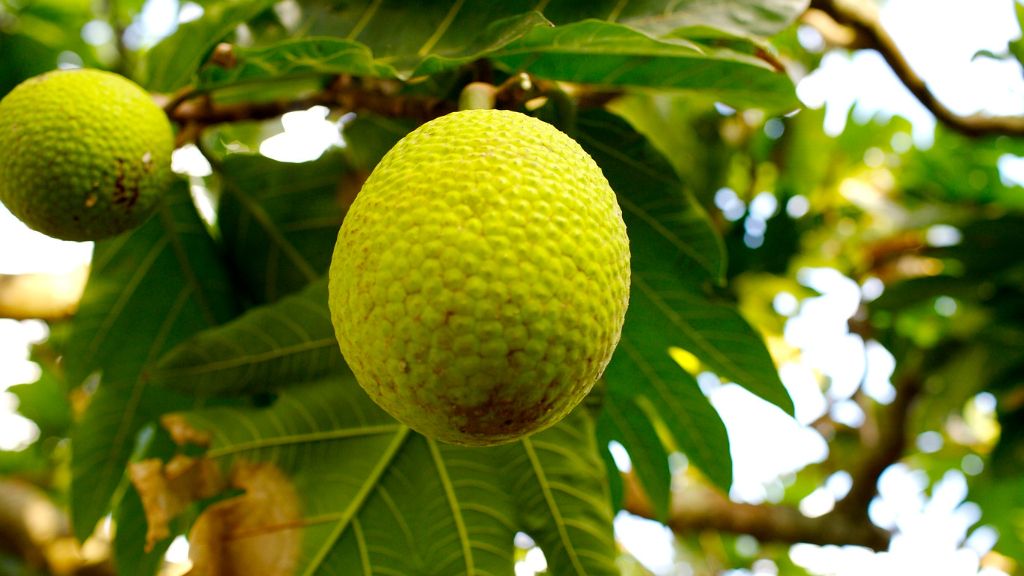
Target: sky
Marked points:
937	532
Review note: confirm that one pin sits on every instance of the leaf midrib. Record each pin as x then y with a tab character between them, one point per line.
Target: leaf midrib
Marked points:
244	360
549	498
676	320
346	516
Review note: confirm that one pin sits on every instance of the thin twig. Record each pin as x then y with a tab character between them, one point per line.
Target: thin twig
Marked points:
870	33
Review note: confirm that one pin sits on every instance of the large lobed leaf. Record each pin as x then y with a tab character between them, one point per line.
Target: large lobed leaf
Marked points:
675	254
272	346
605	42
675	251
147	291
374	497
279	221
596	52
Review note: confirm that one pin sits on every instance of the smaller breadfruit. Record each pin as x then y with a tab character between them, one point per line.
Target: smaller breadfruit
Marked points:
84	154
481	277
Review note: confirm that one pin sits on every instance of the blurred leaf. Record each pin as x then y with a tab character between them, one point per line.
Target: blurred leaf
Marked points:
29	461
988	250
279	221
604	53
130	555
377	496
1017	45
34	34
686	129
296	57
45	403
643	371
1002	505
172	63
389	39
279	344
1008	457
369	137
961	169
667	231
747	18
147	290
663	221
673	249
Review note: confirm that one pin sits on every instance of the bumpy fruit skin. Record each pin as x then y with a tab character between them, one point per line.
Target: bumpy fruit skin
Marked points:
84	154
481	277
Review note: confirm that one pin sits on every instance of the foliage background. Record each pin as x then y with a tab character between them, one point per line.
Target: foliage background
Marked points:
198	376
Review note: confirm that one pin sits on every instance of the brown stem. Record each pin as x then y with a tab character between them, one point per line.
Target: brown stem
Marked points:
194	110
344	94
871	34
697	508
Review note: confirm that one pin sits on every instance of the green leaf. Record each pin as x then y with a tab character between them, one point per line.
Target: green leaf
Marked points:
296	57
291	340
643	372
1002	505
667	230
746	18
686	129
674	252
560	496
392	39
172	63
102	443
279	221
623	420
1008	454
369	137
496	34
713	331
376	497
664	223
1017	46
130	555
45	403
597	52
147	291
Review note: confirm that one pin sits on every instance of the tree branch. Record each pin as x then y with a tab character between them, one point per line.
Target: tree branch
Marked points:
345	93
194	111
871	34
699	508
884	442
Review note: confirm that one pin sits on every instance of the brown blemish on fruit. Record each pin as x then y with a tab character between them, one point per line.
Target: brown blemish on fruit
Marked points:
496	418
125	193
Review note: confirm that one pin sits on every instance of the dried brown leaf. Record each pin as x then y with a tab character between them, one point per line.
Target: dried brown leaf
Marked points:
168	489
258	532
